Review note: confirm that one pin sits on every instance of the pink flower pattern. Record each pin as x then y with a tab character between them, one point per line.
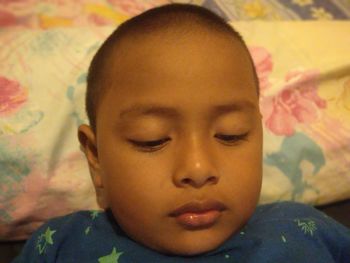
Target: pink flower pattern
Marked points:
263	65
296	102
12	96
7	18
135	7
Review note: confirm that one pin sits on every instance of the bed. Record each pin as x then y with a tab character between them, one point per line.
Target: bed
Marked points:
300	48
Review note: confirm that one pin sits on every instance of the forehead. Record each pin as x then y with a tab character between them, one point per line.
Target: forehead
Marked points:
189	53
164	65
179	49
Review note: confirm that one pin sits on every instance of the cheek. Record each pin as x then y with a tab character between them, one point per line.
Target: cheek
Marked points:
243	174
132	181
243	181
124	177
129	195
135	197
134	172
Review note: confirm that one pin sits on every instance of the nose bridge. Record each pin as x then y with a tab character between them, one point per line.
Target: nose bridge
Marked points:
198	154
195	166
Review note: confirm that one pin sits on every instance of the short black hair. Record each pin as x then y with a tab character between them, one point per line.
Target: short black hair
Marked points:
167	18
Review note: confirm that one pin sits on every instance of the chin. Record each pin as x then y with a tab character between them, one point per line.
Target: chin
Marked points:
193	246
193	249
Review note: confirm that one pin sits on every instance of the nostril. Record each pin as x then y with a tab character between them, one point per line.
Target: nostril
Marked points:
193	181
212	179
186	181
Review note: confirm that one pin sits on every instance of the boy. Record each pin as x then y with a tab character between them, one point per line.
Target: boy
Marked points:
174	148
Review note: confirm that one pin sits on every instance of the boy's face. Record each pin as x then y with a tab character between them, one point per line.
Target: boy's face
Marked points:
177	154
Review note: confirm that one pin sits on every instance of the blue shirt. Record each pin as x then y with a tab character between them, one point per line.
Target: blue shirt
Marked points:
278	232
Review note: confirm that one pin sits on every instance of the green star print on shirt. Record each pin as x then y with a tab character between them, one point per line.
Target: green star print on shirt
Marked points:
111	258
45	239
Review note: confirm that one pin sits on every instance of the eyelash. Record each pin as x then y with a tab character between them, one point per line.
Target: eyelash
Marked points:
231	139
155	145
150	146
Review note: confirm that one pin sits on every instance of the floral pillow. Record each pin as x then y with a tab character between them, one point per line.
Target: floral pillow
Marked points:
305	101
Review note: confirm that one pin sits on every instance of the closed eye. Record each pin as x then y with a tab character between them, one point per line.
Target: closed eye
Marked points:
158	144
231	138
150	145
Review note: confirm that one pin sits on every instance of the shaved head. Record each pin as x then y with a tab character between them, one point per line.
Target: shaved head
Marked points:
169	23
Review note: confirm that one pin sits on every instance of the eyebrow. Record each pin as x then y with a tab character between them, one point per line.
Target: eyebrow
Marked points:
238	106
149	109
172	113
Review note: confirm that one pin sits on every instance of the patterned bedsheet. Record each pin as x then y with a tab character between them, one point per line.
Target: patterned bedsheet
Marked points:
46	47
66	13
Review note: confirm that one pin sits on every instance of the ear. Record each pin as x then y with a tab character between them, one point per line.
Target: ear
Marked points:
88	145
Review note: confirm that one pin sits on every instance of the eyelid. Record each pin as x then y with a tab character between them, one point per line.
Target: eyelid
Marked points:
231	138
150	145
154	145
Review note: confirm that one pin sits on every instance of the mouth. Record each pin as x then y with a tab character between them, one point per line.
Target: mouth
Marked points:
198	215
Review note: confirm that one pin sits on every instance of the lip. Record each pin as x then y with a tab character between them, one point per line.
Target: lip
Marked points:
198	215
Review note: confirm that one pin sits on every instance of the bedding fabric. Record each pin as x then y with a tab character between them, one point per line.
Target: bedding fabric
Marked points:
64	13
304	75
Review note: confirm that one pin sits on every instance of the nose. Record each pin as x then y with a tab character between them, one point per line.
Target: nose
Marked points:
195	165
